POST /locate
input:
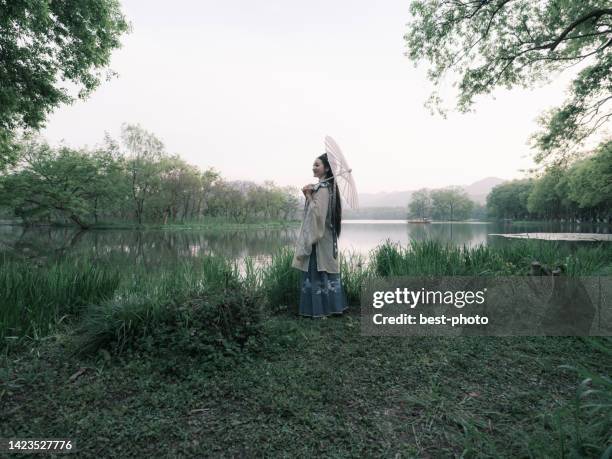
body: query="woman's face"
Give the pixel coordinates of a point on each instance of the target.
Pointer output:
(318, 169)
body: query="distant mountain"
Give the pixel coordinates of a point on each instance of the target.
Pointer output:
(477, 191)
(385, 199)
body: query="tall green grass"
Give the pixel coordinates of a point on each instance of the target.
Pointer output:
(353, 272)
(280, 283)
(117, 308)
(431, 257)
(34, 299)
(587, 420)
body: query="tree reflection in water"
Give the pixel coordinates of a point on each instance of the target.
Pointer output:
(162, 249)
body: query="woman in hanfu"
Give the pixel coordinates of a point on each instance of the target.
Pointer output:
(316, 251)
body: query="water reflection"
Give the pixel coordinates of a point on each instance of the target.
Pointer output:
(148, 248)
(363, 236)
(155, 248)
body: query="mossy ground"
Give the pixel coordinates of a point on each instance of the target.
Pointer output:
(312, 387)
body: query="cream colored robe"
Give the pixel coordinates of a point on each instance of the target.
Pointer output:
(316, 229)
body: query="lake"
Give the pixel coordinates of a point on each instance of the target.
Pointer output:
(156, 248)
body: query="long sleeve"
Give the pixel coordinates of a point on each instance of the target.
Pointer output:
(313, 226)
(318, 207)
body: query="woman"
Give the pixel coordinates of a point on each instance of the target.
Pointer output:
(316, 252)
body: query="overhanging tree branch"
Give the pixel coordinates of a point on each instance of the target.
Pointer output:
(593, 14)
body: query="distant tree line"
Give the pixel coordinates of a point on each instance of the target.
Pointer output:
(581, 191)
(132, 181)
(450, 204)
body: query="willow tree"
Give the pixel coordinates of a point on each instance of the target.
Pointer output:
(485, 44)
(51, 182)
(45, 47)
(420, 203)
(451, 203)
(145, 153)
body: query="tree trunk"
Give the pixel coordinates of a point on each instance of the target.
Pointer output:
(75, 218)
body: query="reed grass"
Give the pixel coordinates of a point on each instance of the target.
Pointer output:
(431, 257)
(116, 304)
(34, 299)
(280, 283)
(590, 411)
(354, 270)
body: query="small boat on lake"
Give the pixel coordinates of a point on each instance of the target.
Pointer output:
(424, 220)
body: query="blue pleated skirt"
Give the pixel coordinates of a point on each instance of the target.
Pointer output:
(321, 292)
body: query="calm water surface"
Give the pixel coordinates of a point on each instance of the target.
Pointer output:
(162, 248)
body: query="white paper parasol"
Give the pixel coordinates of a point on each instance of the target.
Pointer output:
(342, 173)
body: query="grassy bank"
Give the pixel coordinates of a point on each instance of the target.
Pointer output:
(36, 299)
(207, 361)
(209, 223)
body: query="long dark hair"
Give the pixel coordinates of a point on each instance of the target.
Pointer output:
(337, 210)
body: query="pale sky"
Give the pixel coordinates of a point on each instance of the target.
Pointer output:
(252, 88)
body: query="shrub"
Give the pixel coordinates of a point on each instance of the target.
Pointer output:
(201, 308)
